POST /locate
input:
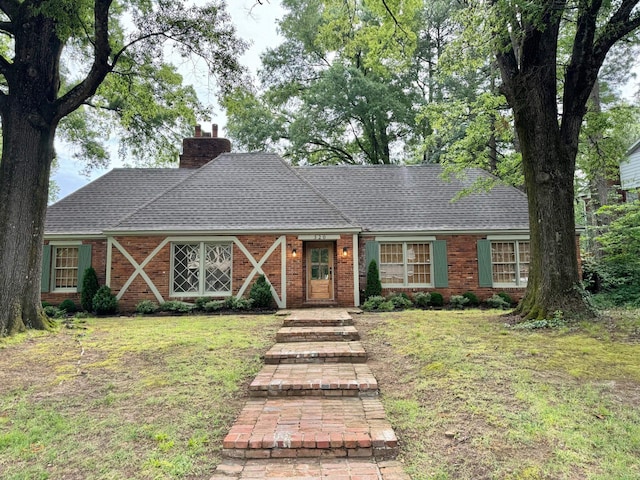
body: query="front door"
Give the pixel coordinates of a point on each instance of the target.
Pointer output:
(320, 271)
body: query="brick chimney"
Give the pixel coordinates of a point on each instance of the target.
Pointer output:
(202, 148)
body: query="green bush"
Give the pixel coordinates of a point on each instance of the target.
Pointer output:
(234, 303)
(176, 306)
(90, 287)
(201, 302)
(51, 311)
(147, 306)
(372, 303)
(261, 293)
(474, 301)
(214, 305)
(458, 302)
(422, 299)
(45, 304)
(374, 286)
(437, 300)
(506, 297)
(68, 306)
(497, 301)
(104, 302)
(387, 306)
(400, 300)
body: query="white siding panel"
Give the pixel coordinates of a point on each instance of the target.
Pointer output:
(630, 171)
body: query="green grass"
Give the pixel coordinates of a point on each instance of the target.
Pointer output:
(471, 398)
(126, 397)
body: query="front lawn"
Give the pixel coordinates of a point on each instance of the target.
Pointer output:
(143, 398)
(472, 399)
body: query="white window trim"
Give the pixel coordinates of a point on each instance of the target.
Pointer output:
(516, 240)
(406, 283)
(55, 244)
(200, 292)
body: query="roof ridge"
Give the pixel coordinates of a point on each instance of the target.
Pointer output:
(317, 192)
(146, 204)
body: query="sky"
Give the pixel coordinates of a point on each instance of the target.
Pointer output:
(255, 23)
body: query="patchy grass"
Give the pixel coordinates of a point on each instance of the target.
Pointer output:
(144, 398)
(473, 399)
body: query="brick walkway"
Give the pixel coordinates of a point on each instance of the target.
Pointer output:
(314, 411)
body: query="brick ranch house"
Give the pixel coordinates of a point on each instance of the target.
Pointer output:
(210, 227)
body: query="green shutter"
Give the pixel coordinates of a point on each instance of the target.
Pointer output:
(84, 262)
(440, 265)
(485, 274)
(46, 268)
(371, 252)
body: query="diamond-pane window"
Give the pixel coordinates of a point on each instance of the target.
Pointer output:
(405, 264)
(201, 268)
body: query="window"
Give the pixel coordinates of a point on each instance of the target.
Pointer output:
(510, 263)
(65, 269)
(201, 268)
(405, 264)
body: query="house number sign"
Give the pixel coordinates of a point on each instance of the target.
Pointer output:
(318, 236)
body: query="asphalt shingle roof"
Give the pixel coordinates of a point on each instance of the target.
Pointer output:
(261, 192)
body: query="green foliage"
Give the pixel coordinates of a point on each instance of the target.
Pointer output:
(260, 293)
(387, 306)
(54, 312)
(147, 306)
(458, 302)
(104, 302)
(473, 299)
(506, 297)
(497, 301)
(214, 305)
(437, 300)
(372, 303)
(422, 299)
(400, 300)
(201, 302)
(374, 286)
(235, 303)
(68, 306)
(556, 322)
(90, 287)
(176, 306)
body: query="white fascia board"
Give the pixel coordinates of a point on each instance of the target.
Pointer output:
(434, 233)
(407, 238)
(72, 236)
(165, 233)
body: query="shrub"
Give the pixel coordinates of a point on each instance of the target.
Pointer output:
(147, 306)
(506, 297)
(473, 299)
(104, 302)
(234, 303)
(45, 304)
(214, 305)
(496, 301)
(372, 303)
(422, 299)
(458, 301)
(51, 311)
(81, 315)
(387, 306)
(176, 306)
(437, 300)
(400, 300)
(261, 293)
(68, 306)
(89, 289)
(374, 287)
(201, 302)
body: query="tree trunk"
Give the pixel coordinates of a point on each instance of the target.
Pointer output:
(24, 187)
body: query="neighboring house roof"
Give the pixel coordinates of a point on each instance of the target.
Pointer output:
(394, 198)
(239, 192)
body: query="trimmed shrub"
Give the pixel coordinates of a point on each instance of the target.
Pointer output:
(374, 286)
(422, 299)
(214, 305)
(387, 306)
(437, 300)
(458, 301)
(147, 306)
(473, 299)
(506, 297)
(261, 293)
(234, 303)
(51, 311)
(45, 304)
(68, 306)
(400, 300)
(176, 306)
(372, 303)
(90, 287)
(201, 302)
(104, 302)
(496, 301)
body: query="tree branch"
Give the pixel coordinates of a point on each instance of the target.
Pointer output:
(9, 7)
(99, 70)
(5, 65)
(7, 27)
(619, 25)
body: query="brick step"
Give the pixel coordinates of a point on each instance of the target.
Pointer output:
(317, 334)
(320, 379)
(311, 427)
(310, 468)
(318, 318)
(316, 352)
